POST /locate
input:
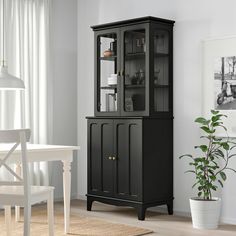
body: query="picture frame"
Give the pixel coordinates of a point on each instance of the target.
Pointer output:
(216, 51)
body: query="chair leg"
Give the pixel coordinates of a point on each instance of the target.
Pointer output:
(8, 219)
(17, 213)
(27, 219)
(50, 214)
(18, 171)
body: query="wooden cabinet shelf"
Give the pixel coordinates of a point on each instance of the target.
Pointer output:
(135, 55)
(111, 58)
(142, 54)
(134, 86)
(140, 86)
(109, 87)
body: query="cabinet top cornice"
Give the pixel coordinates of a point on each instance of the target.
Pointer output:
(146, 19)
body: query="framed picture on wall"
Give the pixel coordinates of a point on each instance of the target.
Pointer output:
(219, 79)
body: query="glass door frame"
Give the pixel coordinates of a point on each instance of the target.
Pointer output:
(169, 29)
(124, 29)
(97, 70)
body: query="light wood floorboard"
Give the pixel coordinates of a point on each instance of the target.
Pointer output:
(161, 224)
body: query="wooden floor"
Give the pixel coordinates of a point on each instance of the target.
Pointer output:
(161, 224)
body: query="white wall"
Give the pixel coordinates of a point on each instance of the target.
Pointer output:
(87, 16)
(195, 20)
(64, 72)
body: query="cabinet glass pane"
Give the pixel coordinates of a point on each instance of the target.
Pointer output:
(134, 70)
(161, 71)
(161, 41)
(107, 56)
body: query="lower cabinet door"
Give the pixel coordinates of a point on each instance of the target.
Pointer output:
(100, 163)
(128, 164)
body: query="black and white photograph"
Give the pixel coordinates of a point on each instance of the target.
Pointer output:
(225, 83)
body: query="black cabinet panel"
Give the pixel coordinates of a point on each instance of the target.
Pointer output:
(158, 161)
(135, 155)
(107, 150)
(115, 158)
(100, 149)
(95, 157)
(128, 149)
(122, 164)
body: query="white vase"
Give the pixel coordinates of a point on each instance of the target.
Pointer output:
(205, 213)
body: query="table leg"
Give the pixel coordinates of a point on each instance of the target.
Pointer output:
(8, 219)
(17, 208)
(67, 190)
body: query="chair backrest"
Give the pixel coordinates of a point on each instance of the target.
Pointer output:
(16, 137)
(13, 136)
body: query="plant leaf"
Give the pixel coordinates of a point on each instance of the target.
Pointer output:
(218, 152)
(221, 183)
(203, 148)
(213, 178)
(189, 171)
(223, 127)
(186, 155)
(223, 175)
(214, 187)
(206, 129)
(195, 184)
(214, 112)
(201, 120)
(232, 147)
(225, 145)
(215, 118)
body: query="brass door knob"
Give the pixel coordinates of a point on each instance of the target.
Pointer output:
(113, 158)
(110, 158)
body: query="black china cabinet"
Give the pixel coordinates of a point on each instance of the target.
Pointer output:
(130, 138)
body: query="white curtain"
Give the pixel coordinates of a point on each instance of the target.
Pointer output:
(28, 57)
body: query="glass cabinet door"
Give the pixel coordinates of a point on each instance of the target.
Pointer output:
(134, 69)
(161, 70)
(107, 78)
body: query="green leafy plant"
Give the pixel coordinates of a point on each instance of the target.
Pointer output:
(211, 165)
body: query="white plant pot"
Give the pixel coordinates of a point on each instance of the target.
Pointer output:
(205, 214)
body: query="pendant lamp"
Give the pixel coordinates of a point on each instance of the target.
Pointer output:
(7, 81)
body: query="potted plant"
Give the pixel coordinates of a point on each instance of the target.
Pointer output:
(209, 168)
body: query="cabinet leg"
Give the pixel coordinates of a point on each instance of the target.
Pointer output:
(89, 204)
(170, 207)
(141, 212)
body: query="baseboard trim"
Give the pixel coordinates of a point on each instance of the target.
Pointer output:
(163, 209)
(60, 199)
(226, 220)
(223, 220)
(81, 197)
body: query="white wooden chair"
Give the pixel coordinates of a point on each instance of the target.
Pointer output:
(20, 192)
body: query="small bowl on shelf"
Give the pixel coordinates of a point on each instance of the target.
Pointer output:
(108, 53)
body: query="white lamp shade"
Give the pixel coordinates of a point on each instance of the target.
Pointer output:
(10, 82)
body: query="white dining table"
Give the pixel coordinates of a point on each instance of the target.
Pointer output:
(39, 153)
